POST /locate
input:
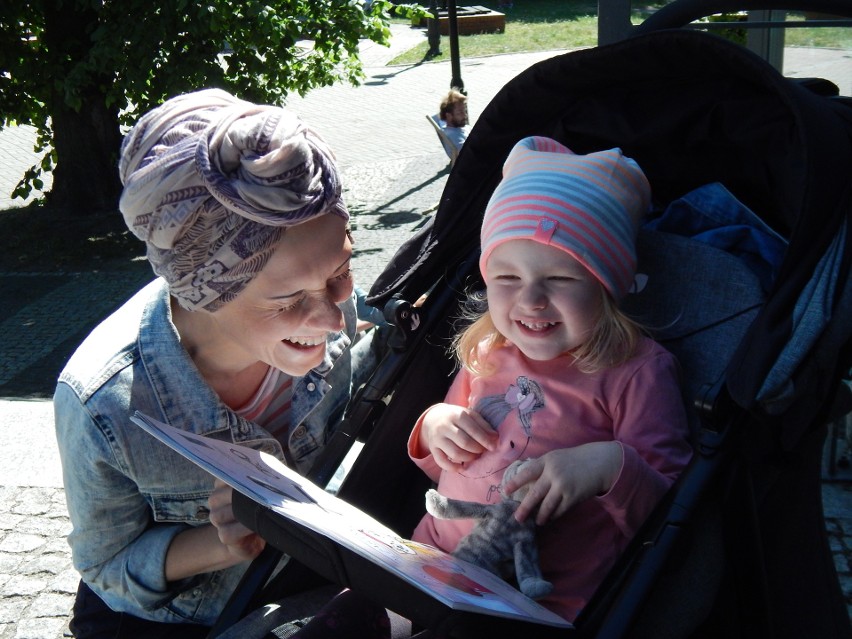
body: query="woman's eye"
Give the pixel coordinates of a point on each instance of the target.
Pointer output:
(347, 274)
(291, 305)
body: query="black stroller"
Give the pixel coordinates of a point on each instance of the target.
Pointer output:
(738, 548)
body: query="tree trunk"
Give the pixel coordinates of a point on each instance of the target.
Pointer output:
(87, 143)
(86, 140)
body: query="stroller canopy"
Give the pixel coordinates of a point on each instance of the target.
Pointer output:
(692, 109)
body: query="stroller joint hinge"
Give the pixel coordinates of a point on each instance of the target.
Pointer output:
(406, 320)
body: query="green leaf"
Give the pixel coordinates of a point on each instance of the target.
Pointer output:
(110, 61)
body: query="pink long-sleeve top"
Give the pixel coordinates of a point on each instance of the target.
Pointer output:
(537, 407)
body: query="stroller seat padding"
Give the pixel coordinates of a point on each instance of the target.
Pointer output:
(697, 301)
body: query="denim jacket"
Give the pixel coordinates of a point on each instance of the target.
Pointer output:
(129, 495)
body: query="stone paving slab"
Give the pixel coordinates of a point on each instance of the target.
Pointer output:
(37, 581)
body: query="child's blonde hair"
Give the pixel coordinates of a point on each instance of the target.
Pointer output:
(613, 341)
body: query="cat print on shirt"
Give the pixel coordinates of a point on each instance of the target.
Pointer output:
(510, 414)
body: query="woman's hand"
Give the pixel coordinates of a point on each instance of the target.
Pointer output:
(222, 544)
(455, 435)
(562, 478)
(243, 544)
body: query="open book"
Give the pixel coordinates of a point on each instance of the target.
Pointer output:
(457, 584)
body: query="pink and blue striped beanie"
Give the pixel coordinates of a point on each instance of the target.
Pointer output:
(588, 205)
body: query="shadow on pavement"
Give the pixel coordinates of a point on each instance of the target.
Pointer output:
(46, 317)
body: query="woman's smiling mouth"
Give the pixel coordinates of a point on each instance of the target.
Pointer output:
(305, 342)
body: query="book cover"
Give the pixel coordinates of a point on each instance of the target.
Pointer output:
(263, 478)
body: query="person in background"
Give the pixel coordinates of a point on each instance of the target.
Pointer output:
(453, 118)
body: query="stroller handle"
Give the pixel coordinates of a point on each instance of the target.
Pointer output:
(682, 12)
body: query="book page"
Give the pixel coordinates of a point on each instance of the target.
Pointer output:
(266, 480)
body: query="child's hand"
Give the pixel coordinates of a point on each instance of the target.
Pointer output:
(562, 478)
(455, 435)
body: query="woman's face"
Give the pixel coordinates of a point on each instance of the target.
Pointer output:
(285, 314)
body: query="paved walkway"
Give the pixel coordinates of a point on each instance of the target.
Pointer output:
(394, 170)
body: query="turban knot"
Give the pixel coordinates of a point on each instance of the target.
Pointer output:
(210, 184)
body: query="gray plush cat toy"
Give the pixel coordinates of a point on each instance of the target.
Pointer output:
(498, 542)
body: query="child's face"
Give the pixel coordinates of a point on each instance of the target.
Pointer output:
(540, 298)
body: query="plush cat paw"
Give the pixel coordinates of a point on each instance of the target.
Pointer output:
(436, 504)
(535, 588)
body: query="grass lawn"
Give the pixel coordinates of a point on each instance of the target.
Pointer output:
(826, 37)
(547, 25)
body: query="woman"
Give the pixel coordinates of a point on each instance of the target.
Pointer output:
(244, 337)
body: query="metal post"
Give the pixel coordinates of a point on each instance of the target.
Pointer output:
(456, 82)
(613, 21)
(433, 30)
(768, 43)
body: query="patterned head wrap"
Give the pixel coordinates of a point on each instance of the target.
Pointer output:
(589, 206)
(210, 184)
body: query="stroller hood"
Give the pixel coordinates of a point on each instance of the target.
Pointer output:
(692, 109)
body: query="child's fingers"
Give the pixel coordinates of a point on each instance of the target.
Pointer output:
(552, 506)
(480, 435)
(527, 506)
(456, 452)
(530, 472)
(446, 462)
(545, 500)
(532, 500)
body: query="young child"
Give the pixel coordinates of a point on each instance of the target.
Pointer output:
(554, 371)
